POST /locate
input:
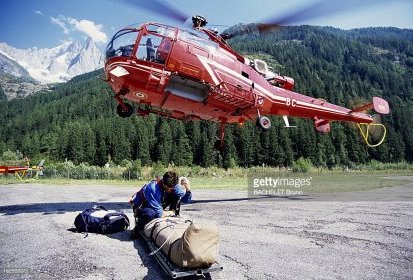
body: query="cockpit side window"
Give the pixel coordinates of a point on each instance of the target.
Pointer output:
(197, 40)
(154, 48)
(156, 44)
(164, 31)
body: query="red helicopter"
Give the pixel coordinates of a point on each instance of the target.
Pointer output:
(195, 74)
(24, 172)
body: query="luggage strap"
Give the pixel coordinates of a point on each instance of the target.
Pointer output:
(166, 240)
(94, 207)
(170, 224)
(170, 248)
(86, 233)
(153, 229)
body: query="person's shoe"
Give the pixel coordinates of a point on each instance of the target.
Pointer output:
(134, 234)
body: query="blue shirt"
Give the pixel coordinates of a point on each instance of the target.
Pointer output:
(152, 193)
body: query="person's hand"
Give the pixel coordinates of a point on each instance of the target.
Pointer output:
(185, 183)
(168, 213)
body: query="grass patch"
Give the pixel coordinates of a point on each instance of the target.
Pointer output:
(319, 183)
(326, 182)
(352, 182)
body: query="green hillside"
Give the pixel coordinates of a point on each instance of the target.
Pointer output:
(77, 120)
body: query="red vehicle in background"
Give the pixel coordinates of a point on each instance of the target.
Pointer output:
(24, 172)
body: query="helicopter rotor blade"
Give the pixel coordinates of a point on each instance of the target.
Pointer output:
(319, 9)
(161, 8)
(315, 10)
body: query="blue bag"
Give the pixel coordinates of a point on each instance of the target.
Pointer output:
(99, 220)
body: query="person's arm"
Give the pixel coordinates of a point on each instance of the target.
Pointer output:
(185, 193)
(154, 198)
(138, 198)
(187, 198)
(179, 191)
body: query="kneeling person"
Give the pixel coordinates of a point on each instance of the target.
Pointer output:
(148, 204)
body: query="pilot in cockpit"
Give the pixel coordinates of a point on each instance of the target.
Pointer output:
(150, 50)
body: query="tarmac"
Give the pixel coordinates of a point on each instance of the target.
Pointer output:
(280, 238)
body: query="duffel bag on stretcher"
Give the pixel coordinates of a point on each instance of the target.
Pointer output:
(187, 244)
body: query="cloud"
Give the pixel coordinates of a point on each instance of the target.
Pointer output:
(61, 22)
(85, 26)
(91, 29)
(38, 13)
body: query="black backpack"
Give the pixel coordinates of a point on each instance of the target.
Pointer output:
(99, 220)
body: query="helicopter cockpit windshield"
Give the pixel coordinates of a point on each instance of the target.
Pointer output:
(122, 43)
(155, 43)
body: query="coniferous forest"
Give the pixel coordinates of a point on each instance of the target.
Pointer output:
(77, 120)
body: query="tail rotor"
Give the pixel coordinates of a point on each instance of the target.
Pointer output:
(373, 133)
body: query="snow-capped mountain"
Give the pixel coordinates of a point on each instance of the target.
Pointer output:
(9, 66)
(57, 64)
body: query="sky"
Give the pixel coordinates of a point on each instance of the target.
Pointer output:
(48, 23)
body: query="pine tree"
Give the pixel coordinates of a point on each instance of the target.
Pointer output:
(286, 147)
(143, 148)
(165, 143)
(120, 145)
(181, 151)
(89, 143)
(245, 143)
(230, 158)
(75, 149)
(207, 151)
(193, 131)
(339, 140)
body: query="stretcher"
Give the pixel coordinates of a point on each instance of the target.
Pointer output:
(172, 270)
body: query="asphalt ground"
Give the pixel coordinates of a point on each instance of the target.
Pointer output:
(282, 238)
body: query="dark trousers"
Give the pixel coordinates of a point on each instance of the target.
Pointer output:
(143, 216)
(172, 201)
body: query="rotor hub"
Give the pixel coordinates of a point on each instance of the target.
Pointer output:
(199, 21)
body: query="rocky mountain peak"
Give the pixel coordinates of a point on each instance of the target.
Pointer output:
(51, 65)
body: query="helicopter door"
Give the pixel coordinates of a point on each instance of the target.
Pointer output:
(163, 50)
